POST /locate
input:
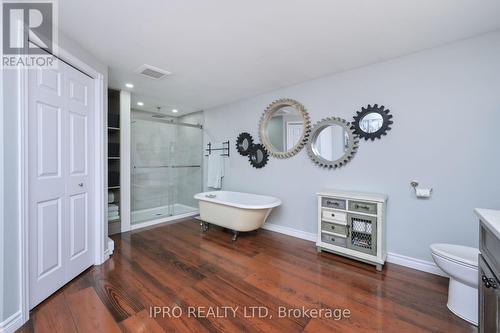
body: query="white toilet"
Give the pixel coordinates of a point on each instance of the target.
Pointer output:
(460, 263)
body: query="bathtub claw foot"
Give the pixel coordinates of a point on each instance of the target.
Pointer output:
(235, 235)
(204, 226)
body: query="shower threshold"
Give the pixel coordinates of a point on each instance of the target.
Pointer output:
(151, 216)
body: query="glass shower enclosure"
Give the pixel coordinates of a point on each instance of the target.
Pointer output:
(166, 170)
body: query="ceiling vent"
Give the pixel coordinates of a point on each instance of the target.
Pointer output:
(152, 72)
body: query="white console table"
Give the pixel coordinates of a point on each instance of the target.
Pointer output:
(352, 224)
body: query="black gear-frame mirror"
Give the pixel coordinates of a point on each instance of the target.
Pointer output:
(372, 122)
(258, 156)
(244, 143)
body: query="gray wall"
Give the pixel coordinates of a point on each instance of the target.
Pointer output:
(446, 107)
(11, 232)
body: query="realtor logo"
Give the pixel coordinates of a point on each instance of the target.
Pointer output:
(29, 33)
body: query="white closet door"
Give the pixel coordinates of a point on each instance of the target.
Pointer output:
(47, 198)
(79, 185)
(60, 178)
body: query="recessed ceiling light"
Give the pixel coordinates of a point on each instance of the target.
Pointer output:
(129, 85)
(140, 103)
(175, 111)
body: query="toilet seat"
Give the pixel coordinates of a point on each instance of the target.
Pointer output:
(462, 255)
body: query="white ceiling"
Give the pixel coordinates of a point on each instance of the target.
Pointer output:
(221, 51)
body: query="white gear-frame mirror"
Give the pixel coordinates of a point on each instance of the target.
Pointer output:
(284, 128)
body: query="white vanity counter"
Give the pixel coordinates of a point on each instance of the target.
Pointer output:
(491, 219)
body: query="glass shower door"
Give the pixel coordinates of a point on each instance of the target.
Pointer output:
(186, 170)
(166, 169)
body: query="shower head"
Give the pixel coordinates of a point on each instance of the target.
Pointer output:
(159, 114)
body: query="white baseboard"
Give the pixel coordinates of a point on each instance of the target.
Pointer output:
(418, 264)
(12, 323)
(290, 231)
(111, 247)
(394, 258)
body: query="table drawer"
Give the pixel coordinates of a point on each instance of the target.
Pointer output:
(334, 215)
(335, 228)
(334, 240)
(363, 207)
(333, 203)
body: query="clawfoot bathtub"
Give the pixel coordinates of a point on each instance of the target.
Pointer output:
(235, 210)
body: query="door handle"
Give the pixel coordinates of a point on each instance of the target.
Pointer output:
(80, 184)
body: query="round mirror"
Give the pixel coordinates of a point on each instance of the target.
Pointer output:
(333, 143)
(372, 122)
(243, 143)
(284, 128)
(258, 156)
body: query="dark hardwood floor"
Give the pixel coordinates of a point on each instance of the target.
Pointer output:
(179, 267)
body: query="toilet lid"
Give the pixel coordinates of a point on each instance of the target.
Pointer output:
(463, 254)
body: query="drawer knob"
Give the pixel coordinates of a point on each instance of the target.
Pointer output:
(333, 227)
(333, 215)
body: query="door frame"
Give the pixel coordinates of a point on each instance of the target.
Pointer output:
(101, 253)
(287, 123)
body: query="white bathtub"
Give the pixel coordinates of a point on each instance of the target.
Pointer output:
(235, 210)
